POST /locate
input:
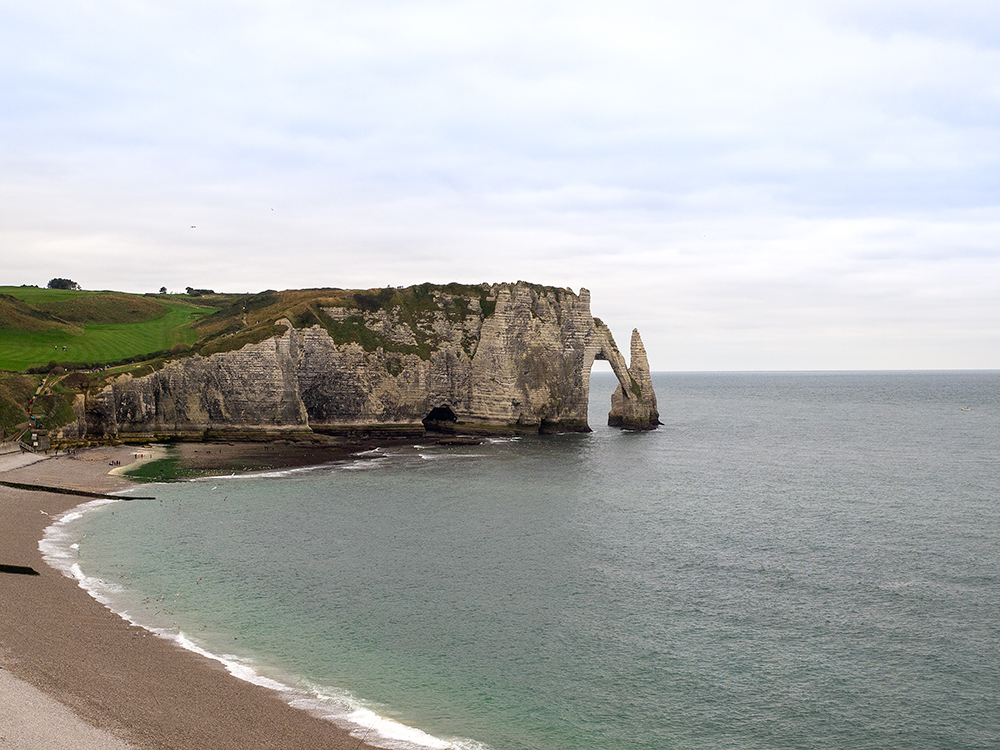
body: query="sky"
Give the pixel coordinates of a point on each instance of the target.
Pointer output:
(766, 185)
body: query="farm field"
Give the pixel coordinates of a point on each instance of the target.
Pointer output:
(90, 342)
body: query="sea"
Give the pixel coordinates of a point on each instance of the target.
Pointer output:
(792, 560)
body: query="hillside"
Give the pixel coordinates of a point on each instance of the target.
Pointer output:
(40, 326)
(42, 329)
(18, 315)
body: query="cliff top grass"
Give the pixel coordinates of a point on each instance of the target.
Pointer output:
(39, 326)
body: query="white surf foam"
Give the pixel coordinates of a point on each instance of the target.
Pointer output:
(357, 467)
(266, 474)
(57, 544)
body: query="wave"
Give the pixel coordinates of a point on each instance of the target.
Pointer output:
(59, 549)
(365, 459)
(267, 474)
(58, 545)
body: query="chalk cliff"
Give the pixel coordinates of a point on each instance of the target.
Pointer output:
(507, 357)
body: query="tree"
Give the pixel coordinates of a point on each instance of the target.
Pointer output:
(63, 284)
(163, 290)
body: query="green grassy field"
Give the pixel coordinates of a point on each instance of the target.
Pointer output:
(37, 295)
(94, 343)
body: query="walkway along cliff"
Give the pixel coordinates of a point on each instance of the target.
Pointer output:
(477, 359)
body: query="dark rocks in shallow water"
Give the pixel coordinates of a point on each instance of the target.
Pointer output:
(461, 440)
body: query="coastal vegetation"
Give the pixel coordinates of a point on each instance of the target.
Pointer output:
(79, 329)
(254, 318)
(166, 469)
(15, 392)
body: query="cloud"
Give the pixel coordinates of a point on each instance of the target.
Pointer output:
(778, 173)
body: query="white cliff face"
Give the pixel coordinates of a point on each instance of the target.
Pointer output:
(523, 363)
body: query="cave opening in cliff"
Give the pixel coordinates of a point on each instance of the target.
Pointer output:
(440, 419)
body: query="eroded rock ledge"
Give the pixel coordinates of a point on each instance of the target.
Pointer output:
(510, 358)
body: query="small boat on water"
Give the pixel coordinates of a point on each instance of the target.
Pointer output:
(966, 408)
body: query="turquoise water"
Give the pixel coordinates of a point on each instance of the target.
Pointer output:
(799, 560)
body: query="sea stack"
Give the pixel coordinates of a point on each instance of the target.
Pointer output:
(634, 408)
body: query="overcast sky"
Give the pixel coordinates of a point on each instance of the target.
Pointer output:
(753, 184)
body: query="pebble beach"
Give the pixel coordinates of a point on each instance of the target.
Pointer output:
(75, 675)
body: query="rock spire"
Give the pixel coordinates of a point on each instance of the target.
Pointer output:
(634, 407)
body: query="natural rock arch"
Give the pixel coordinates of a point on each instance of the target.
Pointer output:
(633, 404)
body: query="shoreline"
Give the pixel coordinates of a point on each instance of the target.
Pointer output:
(65, 655)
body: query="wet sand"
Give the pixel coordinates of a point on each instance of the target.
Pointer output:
(65, 658)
